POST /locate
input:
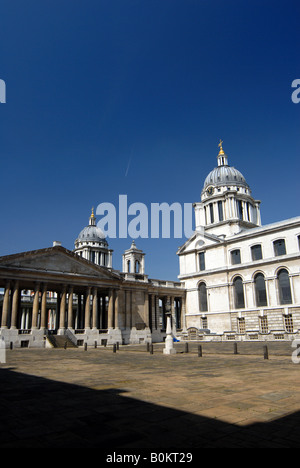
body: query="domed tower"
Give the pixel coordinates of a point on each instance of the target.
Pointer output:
(226, 206)
(92, 245)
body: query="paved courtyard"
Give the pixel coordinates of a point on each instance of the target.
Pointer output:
(132, 399)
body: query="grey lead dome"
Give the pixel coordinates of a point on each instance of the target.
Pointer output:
(225, 175)
(92, 233)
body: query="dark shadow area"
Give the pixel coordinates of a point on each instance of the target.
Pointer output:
(41, 413)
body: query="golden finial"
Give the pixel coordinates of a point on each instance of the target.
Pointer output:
(220, 146)
(92, 215)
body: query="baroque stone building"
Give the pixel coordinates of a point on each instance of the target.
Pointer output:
(54, 294)
(242, 279)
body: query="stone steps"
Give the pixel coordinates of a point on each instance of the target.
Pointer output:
(61, 341)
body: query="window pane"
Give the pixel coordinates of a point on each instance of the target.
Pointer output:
(241, 325)
(260, 290)
(235, 257)
(203, 297)
(240, 209)
(285, 295)
(239, 293)
(202, 261)
(220, 210)
(264, 324)
(288, 323)
(256, 252)
(279, 247)
(211, 208)
(204, 322)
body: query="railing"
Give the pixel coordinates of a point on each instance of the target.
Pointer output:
(24, 331)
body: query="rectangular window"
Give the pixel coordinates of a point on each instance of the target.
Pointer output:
(211, 208)
(220, 210)
(204, 322)
(279, 247)
(264, 324)
(288, 323)
(256, 252)
(240, 209)
(201, 261)
(235, 257)
(241, 325)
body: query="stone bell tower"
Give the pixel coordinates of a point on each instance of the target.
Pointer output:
(134, 261)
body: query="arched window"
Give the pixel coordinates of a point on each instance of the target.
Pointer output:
(260, 290)
(202, 297)
(285, 295)
(239, 300)
(128, 266)
(137, 266)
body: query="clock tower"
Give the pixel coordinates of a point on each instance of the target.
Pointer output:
(227, 206)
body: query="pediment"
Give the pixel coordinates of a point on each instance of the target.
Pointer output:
(55, 260)
(198, 240)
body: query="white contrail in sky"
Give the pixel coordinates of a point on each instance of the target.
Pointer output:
(126, 172)
(128, 167)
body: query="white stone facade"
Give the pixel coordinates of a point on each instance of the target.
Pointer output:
(242, 279)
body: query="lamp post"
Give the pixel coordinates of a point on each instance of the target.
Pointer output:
(169, 346)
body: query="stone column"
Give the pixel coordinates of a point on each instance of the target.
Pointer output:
(44, 308)
(15, 302)
(95, 308)
(87, 312)
(6, 304)
(110, 308)
(153, 311)
(70, 307)
(157, 314)
(183, 309)
(62, 315)
(117, 301)
(146, 309)
(35, 307)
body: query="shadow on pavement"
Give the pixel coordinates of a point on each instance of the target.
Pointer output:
(37, 412)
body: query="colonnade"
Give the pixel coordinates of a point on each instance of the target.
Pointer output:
(82, 308)
(99, 308)
(232, 208)
(157, 304)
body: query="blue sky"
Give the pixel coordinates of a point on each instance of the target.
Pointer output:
(131, 97)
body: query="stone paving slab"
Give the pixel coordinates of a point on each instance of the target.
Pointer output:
(133, 400)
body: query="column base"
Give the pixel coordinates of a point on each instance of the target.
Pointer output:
(169, 351)
(115, 336)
